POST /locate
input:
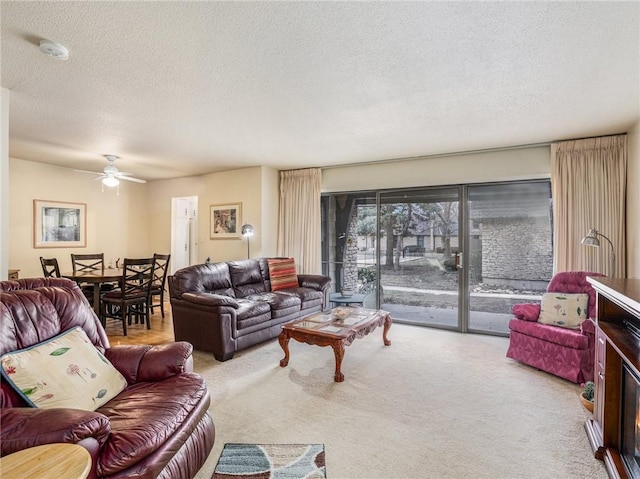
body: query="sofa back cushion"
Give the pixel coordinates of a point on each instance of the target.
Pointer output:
(202, 278)
(34, 310)
(246, 277)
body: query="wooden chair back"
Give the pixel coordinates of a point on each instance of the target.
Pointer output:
(50, 267)
(137, 278)
(87, 263)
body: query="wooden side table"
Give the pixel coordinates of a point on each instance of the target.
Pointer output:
(13, 274)
(49, 461)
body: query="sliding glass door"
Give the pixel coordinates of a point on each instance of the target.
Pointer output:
(510, 253)
(419, 255)
(454, 257)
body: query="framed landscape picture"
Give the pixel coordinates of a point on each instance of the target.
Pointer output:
(57, 224)
(226, 221)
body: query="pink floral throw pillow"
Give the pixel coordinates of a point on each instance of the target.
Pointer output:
(564, 310)
(66, 371)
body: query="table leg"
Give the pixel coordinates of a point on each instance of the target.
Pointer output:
(387, 325)
(283, 339)
(338, 351)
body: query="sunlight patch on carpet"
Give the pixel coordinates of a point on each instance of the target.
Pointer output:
(271, 461)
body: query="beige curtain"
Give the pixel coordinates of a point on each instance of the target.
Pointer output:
(299, 221)
(588, 183)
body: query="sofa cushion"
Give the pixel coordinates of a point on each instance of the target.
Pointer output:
(564, 310)
(252, 312)
(145, 416)
(552, 334)
(246, 277)
(66, 371)
(308, 297)
(280, 304)
(282, 272)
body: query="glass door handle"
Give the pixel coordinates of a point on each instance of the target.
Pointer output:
(458, 260)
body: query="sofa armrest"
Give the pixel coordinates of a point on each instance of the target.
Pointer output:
(526, 311)
(314, 281)
(144, 363)
(210, 299)
(28, 427)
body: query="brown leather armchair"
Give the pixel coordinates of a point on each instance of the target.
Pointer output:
(157, 427)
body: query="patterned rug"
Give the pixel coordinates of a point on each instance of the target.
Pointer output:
(271, 461)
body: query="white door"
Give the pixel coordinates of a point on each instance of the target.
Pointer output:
(183, 232)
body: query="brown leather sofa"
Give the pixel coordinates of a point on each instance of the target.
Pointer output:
(157, 427)
(226, 307)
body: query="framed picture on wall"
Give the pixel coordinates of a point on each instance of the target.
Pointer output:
(225, 221)
(58, 224)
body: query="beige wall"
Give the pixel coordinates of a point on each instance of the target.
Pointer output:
(255, 188)
(270, 210)
(633, 202)
(116, 224)
(504, 165)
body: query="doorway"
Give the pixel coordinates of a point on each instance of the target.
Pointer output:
(184, 232)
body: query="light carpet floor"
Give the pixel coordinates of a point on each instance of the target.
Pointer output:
(435, 404)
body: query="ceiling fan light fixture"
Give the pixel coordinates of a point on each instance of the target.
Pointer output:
(110, 181)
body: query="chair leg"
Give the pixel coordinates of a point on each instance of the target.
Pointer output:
(124, 312)
(162, 304)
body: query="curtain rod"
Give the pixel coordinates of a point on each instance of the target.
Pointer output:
(466, 152)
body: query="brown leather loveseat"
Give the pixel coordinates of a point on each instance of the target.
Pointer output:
(226, 307)
(156, 427)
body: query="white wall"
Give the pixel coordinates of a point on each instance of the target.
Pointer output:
(633, 202)
(503, 165)
(116, 224)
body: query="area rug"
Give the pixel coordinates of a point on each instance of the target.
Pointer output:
(271, 461)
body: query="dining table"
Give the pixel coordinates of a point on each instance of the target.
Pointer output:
(95, 278)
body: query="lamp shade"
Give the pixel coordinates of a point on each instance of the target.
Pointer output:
(591, 239)
(247, 230)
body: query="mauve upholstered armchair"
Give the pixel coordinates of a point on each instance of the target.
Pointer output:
(563, 352)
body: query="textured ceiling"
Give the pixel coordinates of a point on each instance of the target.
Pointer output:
(184, 88)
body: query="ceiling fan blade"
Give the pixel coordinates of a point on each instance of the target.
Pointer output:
(92, 172)
(129, 178)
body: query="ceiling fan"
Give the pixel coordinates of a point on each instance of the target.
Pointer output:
(110, 175)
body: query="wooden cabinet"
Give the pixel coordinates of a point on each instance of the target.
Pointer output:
(618, 301)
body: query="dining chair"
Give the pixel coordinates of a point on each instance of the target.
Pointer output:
(86, 263)
(160, 268)
(133, 298)
(50, 267)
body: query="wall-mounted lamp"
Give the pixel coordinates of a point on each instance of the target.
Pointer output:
(592, 240)
(247, 232)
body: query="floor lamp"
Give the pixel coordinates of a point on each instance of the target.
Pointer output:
(592, 240)
(247, 232)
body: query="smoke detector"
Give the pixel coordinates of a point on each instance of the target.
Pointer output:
(54, 50)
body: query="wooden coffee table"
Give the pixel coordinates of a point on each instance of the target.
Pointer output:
(322, 329)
